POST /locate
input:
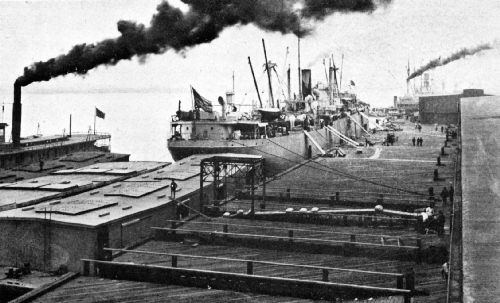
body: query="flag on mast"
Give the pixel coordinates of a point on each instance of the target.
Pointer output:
(99, 113)
(201, 102)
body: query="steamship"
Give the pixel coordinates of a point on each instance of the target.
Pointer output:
(25, 151)
(283, 135)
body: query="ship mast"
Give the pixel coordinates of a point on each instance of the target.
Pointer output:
(255, 81)
(298, 59)
(268, 75)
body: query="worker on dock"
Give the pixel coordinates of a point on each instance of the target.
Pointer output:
(173, 188)
(451, 192)
(440, 219)
(444, 195)
(436, 175)
(41, 163)
(445, 270)
(413, 141)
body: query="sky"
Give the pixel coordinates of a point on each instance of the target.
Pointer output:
(376, 49)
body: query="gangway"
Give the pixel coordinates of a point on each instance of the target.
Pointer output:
(341, 136)
(357, 123)
(314, 142)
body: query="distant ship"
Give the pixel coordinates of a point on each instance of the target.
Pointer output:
(284, 134)
(36, 148)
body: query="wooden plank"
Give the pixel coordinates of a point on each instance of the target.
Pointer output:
(30, 296)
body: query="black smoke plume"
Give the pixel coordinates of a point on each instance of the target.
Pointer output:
(170, 28)
(464, 52)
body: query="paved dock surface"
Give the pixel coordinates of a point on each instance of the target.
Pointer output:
(481, 201)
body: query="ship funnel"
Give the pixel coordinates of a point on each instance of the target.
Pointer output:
(306, 82)
(223, 105)
(16, 115)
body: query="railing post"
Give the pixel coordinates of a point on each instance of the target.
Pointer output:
(174, 261)
(399, 282)
(249, 268)
(173, 227)
(419, 250)
(325, 275)
(86, 267)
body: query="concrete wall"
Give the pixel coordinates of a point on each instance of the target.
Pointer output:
(45, 246)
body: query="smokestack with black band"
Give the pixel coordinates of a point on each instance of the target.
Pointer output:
(306, 82)
(16, 115)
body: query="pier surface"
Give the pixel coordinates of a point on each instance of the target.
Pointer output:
(481, 190)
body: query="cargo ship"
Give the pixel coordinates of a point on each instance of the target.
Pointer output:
(284, 135)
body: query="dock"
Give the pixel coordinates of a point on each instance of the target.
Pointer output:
(328, 229)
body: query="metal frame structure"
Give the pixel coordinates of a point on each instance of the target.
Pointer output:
(221, 167)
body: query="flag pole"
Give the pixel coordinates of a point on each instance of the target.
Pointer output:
(95, 111)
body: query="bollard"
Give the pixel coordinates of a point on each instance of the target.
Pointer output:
(325, 275)
(249, 268)
(174, 261)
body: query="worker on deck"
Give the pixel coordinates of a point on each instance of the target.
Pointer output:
(41, 164)
(413, 141)
(173, 188)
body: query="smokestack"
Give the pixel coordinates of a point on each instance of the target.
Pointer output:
(306, 82)
(16, 115)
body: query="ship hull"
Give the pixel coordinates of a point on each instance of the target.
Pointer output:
(280, 152)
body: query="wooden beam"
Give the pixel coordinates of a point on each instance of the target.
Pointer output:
(314, 142)
(257, 262)
(241, 282)
(282, 238)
